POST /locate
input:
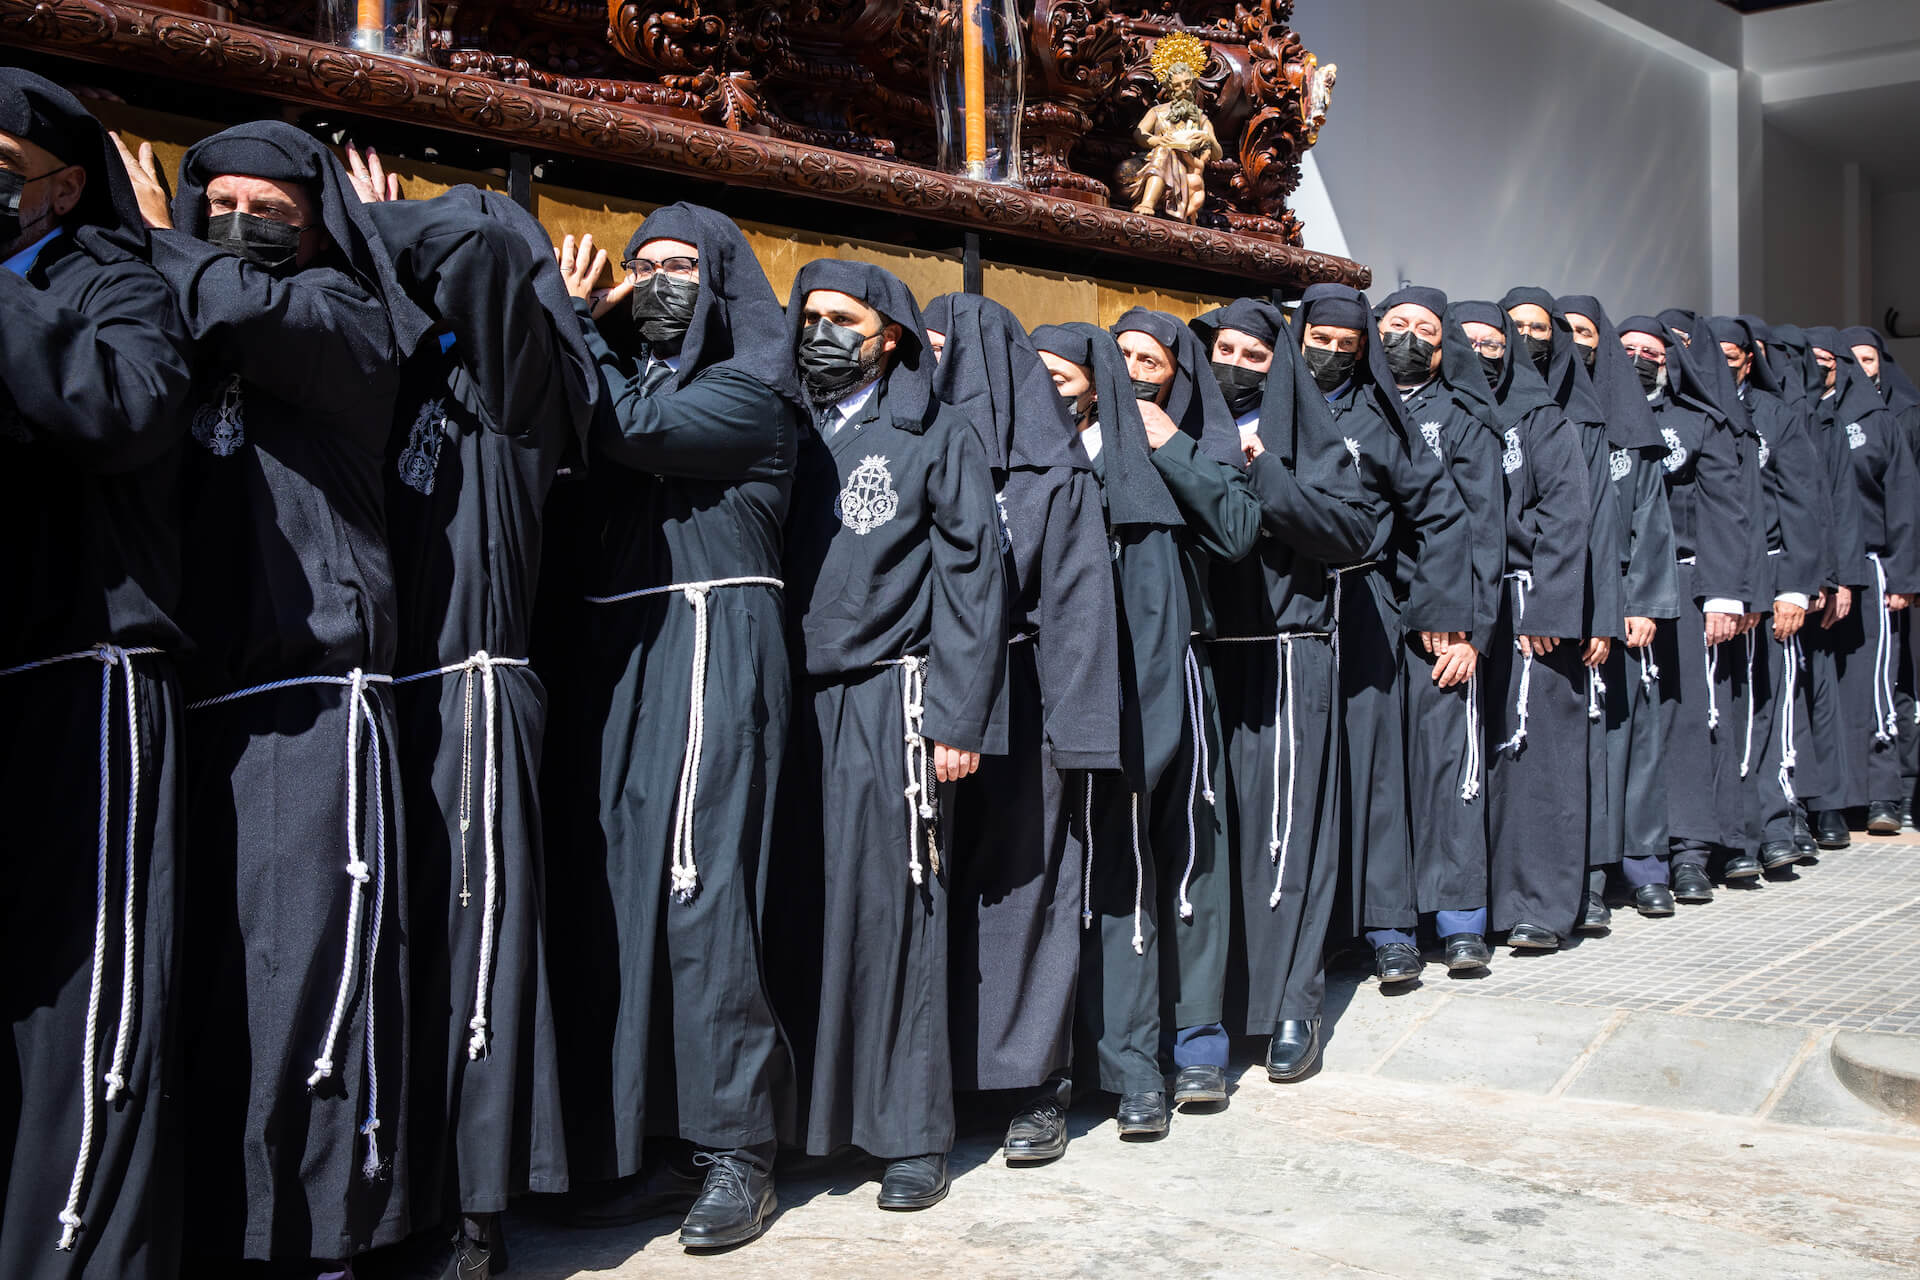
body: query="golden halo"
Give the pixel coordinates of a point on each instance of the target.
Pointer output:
(1178, 50)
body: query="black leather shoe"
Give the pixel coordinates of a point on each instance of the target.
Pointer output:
(918, 1182)
(1200, 1086)
(1690, 884)
(1466, 951)
(1830, 829)
(1778, 854)
(471, 1259)
(1531, 937)
(1143, 1115)
(1653, 900)
(1740, 866)
(1597, 915)
(1396, 962)
(1293, 1050)
(733, 1207)
(1883, 818)
(1803, 834)
(1039, 1133)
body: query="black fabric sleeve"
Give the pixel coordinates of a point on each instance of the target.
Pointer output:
(967, 670)
(1652, 582)
(1079, 655)
(1724, 517)
(724, 425)
(1221, 512)
(1561, 514)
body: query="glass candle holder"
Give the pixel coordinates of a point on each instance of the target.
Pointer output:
(978, 61)
(395, 28)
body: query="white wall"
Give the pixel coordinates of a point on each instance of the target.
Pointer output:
(1805, 232)
(1478, 144)
(1896, 269)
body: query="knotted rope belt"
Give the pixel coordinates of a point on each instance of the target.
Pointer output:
(1280, 840)
(1522, 581)
(1886, 720)
(111, 658)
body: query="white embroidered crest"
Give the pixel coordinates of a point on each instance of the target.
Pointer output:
(1855, 436)
(868, 501)
(1006, 530)
(1676, 452)
(222, 428)
(1510, 460)
(1766, 451)
(421, 458)
(1619, 463)
(1430, 432)
(1353, 449)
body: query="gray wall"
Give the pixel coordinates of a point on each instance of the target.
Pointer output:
(1478, 144)
(1804, 228)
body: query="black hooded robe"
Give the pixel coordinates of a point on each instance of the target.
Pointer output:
(482, 417)
(898, 599)
(94, 374)
(1016, 893)
(298, 1052)
(668, 1028)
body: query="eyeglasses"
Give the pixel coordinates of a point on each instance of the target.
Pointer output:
(641, 270)
(1492, 348)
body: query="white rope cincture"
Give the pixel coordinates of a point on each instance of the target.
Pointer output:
(1199, 773)
(1338, 575)
(1789, 758)
(1746, 757)
(1139, 878)
(359, 709)
(1086, 879)
(1522, 580)
(686, 868)
(481, 665)
(1470, 783)
(1649, 669)
(919, 790)
(1596, 694)
(1282, 840)
(110, 657)
(1713, 678)
(1886, 720)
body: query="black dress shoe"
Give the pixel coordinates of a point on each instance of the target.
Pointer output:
(1739, 866)
(1883, 818)
(1653, 900)
(917, 1182)
(471, 1259)
(1531, 937)
(1466, 951)
(1143, 1115)
(733, 1207)
(1597, 915)
(1294, 1048)
(1039, 1133)
(1397, 962)
(1200, 1086)
(1690, 884)
(1830, 829)
(1777, 854)
(1802, 834)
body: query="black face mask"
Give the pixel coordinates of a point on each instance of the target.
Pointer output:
(1149, 391)
(1493, 367)
(663, 310)
(1409, 356)
(262, 242)
(1540, 351)
(1075, 414)
(1243, 387)
(1331, 369)
(1589, 354)
(1649, 371)
(832, 362)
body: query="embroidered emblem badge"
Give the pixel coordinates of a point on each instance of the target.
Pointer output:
(222, 428)
(1619, 463)
(421, 458)
(1430, 432)
(1353, 449)
(1766, 450)
(1855, 436)
(1676, 452)
(1510, 460)
(1006, 530)
(868, 501)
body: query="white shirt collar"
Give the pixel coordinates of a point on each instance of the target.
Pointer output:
(848, 406)
(22, 262)
(672, 362)
(1408, 393)
(1090, 440)
(1249, 424)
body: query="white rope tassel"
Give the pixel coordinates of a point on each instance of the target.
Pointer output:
(1522, 582)
(1282, 841)
(1596, 695)
(1713, 697)
(1470, 785)
(1139, 879)
(1197, 773)
(919, 792)
(1789, 758)
(1886, 720)
(370, 1168)
(1746, 757)
(1649, 669)
(356, 870)
(1086, 881)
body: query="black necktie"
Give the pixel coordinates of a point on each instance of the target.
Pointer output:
(656, 376)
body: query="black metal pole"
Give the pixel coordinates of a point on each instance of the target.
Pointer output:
(520, 179)
(970, 263)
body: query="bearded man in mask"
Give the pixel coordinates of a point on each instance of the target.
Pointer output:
(899, 605)
(94, 371)
(691, 469)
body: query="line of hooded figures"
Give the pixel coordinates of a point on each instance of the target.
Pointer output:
(469, 735)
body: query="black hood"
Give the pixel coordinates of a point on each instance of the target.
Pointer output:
(909, 378)
(279, 152)
(1856, 395)
(1194, 401)
(107, 221)
(1566, 379)
(1516, 392)
(1630, 423)
(737, 320)
(990, 371)
(1136, 495)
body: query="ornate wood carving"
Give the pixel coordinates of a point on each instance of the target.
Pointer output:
(790, 97)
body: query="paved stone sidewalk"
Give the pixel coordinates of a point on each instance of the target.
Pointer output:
(1653, 1103)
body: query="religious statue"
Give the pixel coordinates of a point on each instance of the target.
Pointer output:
(1315, 81)
(1170, 175)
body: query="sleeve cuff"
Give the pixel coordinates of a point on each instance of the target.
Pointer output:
(1721, 604)
(1798, 599)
